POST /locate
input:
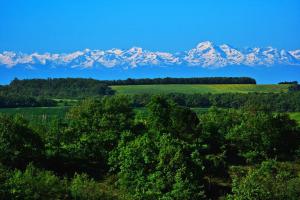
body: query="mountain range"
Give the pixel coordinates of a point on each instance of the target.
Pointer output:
(267, 65)
(205, 55)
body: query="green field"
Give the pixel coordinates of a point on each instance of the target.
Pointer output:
(38, 115)
(198, 88)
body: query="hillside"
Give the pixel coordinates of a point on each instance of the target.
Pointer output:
(198, 88)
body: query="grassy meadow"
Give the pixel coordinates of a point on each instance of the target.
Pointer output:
(37, 115)
(198, 88)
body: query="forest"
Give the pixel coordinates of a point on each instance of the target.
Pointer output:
(147, 147)
(276, 102)
(169, 80)
(56, 88)
(15, 101)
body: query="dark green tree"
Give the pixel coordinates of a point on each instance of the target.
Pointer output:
(163, 162)
(19, 145)
(94, 128)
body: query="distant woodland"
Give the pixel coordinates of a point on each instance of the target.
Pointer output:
(56, 88)
(42, 92)
(208, 80)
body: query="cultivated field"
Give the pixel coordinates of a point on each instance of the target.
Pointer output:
(198, 88)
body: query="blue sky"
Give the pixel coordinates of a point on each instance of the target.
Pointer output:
(68, 25)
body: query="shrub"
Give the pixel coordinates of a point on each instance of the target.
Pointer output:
(270, 181)
(84, 188)
(34, 183)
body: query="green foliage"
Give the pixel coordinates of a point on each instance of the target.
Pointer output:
(160, 113)
(158, 167)
(36, 184)
(14, 101)
(275, 102)
(84, 188)
(160, 164)
(169, 80)
(260, 136)
(269, 181)
(19, 145)
(295, 116)
(95, 125)
(251, 136)
(56, 88)
(5, 173)
(82, 142)
(163, 152)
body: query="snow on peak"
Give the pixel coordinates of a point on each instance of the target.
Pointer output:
(205, 45)
(295, 53)
(205, 54)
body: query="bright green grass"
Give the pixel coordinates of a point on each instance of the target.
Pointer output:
(295, 116)
(198, 88)
(37, 115)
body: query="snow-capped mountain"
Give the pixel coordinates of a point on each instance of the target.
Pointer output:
(205, 55)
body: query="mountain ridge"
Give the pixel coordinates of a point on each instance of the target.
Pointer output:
(205, 55)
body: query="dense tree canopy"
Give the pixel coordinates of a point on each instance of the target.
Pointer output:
(91, 132)
(196, 80)
(269, 181)
(163, 162)
(19, 145)
(276, 102)
(15, 101)
(56, 88)
(35, 184)
(102, 150)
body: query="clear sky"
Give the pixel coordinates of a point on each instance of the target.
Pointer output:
(168, 25)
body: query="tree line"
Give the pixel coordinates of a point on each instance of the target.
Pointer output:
(25, 101)
(103, 150)
(40, 92)
(56, 88)
(196, 80)
(294, 88)
(82, 88)
(288, 82)
(276, 102)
